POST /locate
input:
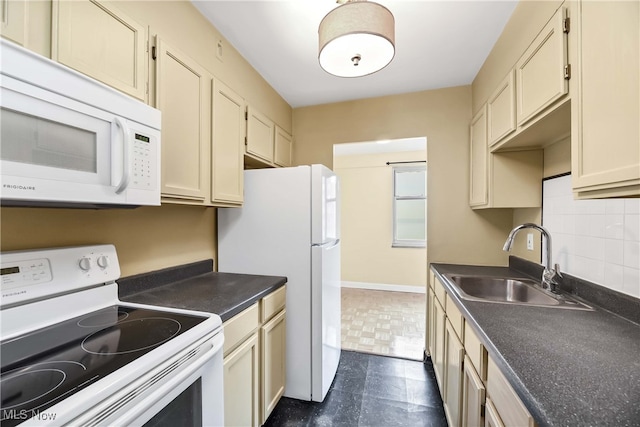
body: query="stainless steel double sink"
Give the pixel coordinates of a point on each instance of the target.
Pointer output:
(505, 290)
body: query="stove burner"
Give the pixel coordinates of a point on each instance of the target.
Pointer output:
(42, 381)
(107, 317)
(129, 340)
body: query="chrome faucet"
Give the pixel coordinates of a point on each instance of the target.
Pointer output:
(550, 274)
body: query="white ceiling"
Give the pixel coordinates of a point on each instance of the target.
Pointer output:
(438, 44)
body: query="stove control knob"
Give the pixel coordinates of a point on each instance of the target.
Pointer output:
(103, 261)
(85, 263)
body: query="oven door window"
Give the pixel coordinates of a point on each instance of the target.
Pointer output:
(184, 410)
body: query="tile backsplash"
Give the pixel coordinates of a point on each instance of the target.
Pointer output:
(596, 240)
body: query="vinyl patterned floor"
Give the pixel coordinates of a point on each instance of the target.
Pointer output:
(370, 391)
(382, 322)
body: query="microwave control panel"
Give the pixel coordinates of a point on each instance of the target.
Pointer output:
(143, 162)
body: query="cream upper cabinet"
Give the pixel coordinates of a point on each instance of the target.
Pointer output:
(260, 134)
(99, 40)
(501, 110)
(14, 20)
(183, 94)
(502, 180)
(283, 147)
(540, 72)
(478, 156)
(605, 138)
(227, 146)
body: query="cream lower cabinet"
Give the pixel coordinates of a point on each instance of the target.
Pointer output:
(473, 389)
(183, 95)
(605, 137)
(97, 39)
(273, 336)
(227, 145)
(254, 361)
(273, 343)
(242, 369)
(454, 356)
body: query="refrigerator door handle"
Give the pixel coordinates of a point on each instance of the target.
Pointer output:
(335, 243)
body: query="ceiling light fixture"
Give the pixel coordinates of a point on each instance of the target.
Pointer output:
(356, 38)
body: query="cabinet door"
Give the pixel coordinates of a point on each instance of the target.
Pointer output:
(273, 363)
(478, 155)
(438, 355)
(183, 96)
(227, 165)
(283, 146)
(14, 20)
(507, 403)
(259, 135)
(454, 354)
(605, 136)
(491, 417)
(241, 391)
(431, 322)
(97, 39)
(473, 395)
(501, 110)
(540, 77)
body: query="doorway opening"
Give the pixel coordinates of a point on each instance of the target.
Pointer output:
(383, 236)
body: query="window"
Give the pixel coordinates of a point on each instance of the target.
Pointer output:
(409, 207)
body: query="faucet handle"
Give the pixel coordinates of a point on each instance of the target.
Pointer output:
(556, 270)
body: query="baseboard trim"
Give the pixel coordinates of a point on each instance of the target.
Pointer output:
(385, 287)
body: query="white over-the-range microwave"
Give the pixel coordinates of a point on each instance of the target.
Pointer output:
(67, 140)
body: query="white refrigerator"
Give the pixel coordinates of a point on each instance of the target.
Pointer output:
(289, 225)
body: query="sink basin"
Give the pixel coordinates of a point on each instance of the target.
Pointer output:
(509, 291)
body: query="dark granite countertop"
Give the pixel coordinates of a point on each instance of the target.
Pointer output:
(569, 367)
(225, 294)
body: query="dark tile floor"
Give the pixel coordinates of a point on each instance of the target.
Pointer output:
(370, 391)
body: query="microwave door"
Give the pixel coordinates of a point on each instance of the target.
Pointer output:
(59, 149)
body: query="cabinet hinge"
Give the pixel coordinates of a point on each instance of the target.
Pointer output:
(153, 53)
(567, 72)
(245, 141)
(246, 115)
(566, 25)
(482, 410)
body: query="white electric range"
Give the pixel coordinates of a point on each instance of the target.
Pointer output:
(73, 354)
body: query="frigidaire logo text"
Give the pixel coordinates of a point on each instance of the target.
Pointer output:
(19, 187)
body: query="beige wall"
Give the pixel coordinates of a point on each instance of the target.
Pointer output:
(146, 238)
(455, 233)
(366, 184)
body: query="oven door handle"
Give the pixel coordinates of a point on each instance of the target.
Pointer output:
(151, 404)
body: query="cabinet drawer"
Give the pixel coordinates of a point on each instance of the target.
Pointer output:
(272, 303)
(475, 351)
(455, 317)
(440, 292)
(239, 327)
(512, 411)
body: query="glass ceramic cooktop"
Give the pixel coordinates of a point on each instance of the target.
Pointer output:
(45, 366)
